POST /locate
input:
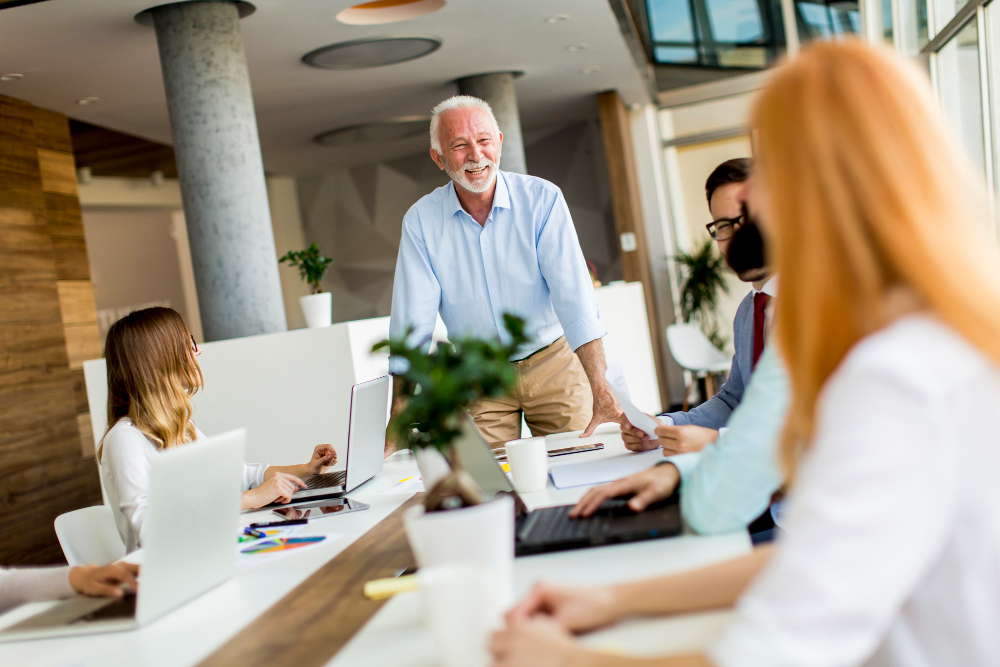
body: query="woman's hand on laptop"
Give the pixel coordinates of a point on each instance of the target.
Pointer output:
(107, 581)
(646, 487)
(323, 457)
(278, 487)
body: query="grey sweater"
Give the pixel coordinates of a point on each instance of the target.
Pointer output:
(18, 586)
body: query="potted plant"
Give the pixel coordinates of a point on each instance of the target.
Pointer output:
(703, 279)
(318, 306)
(454, 523)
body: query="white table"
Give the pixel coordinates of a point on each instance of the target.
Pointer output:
(192, 632)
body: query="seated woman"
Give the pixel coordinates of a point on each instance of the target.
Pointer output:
(152, 373)
(35, 584)
(889, 324)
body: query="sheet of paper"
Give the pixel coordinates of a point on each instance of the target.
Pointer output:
(406, 485)
(638, 418)
(601, 471)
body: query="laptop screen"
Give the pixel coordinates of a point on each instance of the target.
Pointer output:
(366, 433)
(478, 459)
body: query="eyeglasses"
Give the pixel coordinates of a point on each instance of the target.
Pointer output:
(195, 344)
(723, 228)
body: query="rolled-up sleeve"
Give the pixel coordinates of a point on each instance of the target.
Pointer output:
(416, 292)
(561, 263)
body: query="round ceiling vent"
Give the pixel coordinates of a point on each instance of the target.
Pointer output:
(372, 52)
(388, 11)
(380, 131)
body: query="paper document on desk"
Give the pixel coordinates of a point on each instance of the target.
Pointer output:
(616, 378)
(600, 471)
(407, 485)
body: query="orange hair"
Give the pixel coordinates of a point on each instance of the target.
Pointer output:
(867, 192)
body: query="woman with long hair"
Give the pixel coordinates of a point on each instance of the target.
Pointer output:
(152, 373)
(889, 323)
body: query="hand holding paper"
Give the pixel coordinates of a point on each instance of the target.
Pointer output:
(638, 418)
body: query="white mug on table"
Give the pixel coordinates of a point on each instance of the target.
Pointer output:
(529, 463)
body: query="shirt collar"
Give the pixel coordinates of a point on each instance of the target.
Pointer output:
(501, 196)
(769, 288)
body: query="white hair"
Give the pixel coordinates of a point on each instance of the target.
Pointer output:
(458, 102)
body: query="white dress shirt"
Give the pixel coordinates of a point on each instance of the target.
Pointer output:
(892, 554)
(126, 459)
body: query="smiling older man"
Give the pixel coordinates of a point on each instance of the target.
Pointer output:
(492, 242)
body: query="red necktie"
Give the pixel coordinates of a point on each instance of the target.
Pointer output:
(759, 315)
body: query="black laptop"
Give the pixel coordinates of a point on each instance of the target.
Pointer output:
(550, 528)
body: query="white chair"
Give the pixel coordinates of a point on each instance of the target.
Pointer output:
(694, 352)
(89, 536)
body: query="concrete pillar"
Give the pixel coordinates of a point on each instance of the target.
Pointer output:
(220, 168)
(497, 89)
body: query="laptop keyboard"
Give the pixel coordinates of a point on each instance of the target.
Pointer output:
(326, 480)
(124, 607)
(554, 525)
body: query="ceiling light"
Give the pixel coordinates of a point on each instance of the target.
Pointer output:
(557, 18)
(86, 101)
(372, 52)
(388, 11)
(380, 131)
(578, 47)
(591, 70)
(11, 77)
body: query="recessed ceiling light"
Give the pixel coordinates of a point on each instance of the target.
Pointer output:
(11, 77)
(88, 101)
(388, 11)
(591, 70)
(578, 47)
(380, 131)
(557, 18)
(372, 52)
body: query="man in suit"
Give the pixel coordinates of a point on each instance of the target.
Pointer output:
(725, 191)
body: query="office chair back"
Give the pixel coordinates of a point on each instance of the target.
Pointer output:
(694, 351)
(89, 536)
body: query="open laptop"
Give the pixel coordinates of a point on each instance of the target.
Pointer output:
(550, 528)
(365, 444)
(189, 543)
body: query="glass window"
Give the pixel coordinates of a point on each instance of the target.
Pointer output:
(828, 20)
(913, 26)
(670, 20)
(945, 11)
(735, 21)
(675, 54)
(957, 65)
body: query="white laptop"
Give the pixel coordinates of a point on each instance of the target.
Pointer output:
(189, 543)
(365, 443)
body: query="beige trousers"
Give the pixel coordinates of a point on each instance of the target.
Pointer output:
(552, 391)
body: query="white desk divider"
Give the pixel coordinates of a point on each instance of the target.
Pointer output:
(292, 390)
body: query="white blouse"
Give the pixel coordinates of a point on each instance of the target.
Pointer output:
(126, 459)
(892, 551)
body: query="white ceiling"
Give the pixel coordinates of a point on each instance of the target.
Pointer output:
(70, 49)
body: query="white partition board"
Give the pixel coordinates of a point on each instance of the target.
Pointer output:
(623, 314)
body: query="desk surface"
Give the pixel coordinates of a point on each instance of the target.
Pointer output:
(193, 632)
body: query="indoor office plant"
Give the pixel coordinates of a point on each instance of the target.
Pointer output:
(454, 523)
(318, 306)
(702, 281)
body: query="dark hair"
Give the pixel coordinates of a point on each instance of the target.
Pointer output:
(730, 171)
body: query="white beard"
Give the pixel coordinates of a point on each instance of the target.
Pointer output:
(462, 179)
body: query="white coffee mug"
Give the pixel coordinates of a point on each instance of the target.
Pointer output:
(529, 464)
(461, 602)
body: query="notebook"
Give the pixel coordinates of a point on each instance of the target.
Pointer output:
(601, 471)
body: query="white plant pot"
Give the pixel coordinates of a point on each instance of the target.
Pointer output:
(433, 466)
(481, 534)
(318, 309)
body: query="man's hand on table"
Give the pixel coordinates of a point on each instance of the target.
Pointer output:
(606, 409)
(649, 486)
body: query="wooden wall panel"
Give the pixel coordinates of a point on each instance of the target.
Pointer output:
(43, 472)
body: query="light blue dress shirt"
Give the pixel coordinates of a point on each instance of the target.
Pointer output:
(729, 483)
(526, 260)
